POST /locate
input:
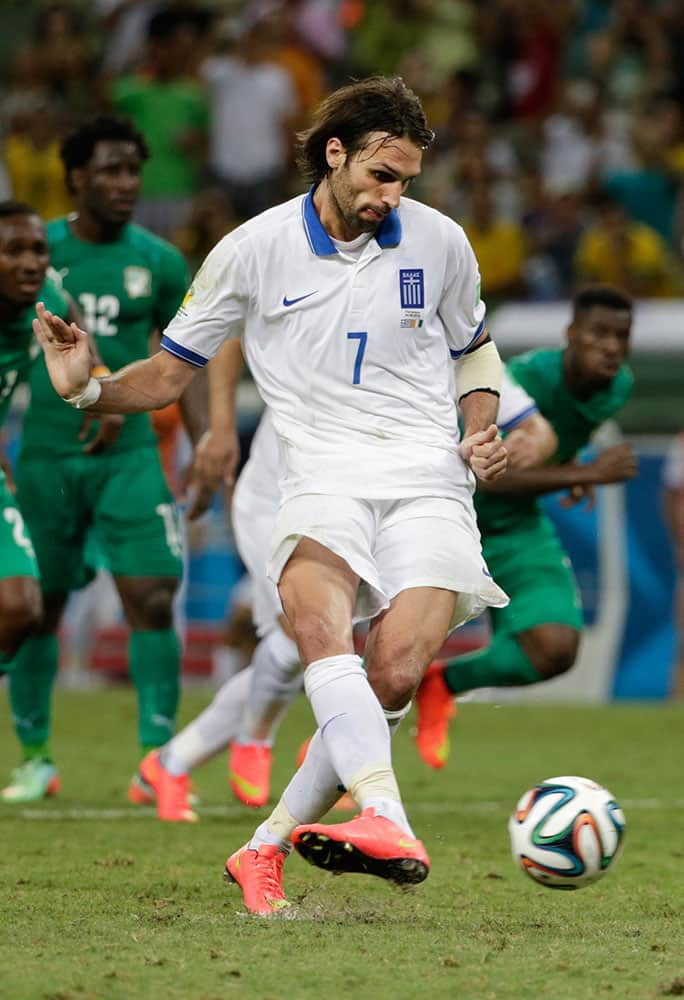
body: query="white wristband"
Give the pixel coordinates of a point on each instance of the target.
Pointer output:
(87, 397)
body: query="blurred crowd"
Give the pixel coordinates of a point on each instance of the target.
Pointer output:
(559, 126)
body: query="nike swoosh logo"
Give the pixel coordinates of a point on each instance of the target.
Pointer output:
(291, 302)
(408, 845)
(244, 785)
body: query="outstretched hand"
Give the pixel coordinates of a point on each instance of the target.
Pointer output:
(485, 453)
(66, 350)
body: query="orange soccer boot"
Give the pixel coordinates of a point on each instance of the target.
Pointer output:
(259, 873)
(249, 772)
(369, 844)
(436, 707)
(171, 791)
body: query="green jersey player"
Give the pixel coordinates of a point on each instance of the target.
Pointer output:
(23, 265)
(128, 283)
(537, 636)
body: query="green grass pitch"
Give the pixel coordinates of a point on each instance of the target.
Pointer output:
(99, 901)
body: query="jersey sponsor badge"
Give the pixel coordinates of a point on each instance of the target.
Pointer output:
(137, 282)
(412, 288)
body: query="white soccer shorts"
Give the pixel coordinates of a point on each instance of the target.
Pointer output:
(253, 517)
(393, 545)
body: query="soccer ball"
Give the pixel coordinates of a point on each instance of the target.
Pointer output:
(566, 832)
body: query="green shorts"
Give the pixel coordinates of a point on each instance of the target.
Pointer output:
(121, 498)
(537, 575)
(17, 557)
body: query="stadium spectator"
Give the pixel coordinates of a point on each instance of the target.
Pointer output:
(617, 250)
(498, 244)
(168, 105)
(31, 154)
(58, 57)
(209, 218)
(253, 104)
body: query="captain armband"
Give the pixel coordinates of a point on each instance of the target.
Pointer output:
(479, 371)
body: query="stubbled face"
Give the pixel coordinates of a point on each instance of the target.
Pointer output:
(367, 185)
(24, 259)
(598, 343)
(107, 187)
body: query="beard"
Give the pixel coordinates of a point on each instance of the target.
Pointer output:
(341, 198)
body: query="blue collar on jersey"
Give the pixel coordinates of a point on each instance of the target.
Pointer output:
(388, 233)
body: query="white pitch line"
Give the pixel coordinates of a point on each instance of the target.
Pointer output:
(240, 812)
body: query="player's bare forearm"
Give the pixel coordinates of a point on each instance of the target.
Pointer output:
(224, 372)
(478, 411)
(145, 385)
(194, 406)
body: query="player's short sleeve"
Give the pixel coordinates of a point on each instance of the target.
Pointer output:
(515, 404)
(172, 283)
(461, 307)
(213, 309)
(673, 466)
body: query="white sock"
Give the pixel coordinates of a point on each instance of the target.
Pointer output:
(316, 787)
(276, 681)
(212, 730)
(355, 733)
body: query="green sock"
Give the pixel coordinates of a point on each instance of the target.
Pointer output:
(502, 664)
(154, 666)
(33, 673)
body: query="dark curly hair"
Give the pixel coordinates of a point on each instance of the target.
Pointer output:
(78, 146)
(376, 104)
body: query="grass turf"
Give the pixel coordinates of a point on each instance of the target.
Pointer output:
(99, 900)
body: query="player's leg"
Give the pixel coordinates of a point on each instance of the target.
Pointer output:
(55, 511)
(31, 680)
(276, 677)
(536, 637)
(138, 531)
(20, 615)
(153, 654)
(401, 642)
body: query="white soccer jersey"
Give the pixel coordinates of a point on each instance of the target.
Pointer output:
(351, 355)
(259, 478)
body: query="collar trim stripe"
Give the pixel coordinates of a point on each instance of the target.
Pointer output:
(387, 235)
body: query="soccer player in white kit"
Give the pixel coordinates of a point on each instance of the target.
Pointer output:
(246, 711)
(350, 303)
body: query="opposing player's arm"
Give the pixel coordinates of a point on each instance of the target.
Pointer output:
(531, 443)
(614, 465)
(144, 385)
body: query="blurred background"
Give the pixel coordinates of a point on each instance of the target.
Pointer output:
(560, 149)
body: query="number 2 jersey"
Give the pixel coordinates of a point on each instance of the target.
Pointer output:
(125, 290)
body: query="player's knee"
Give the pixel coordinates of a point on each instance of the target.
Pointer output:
(556, 651)
(20, 615)
(156, 609)
(395, 674)
(319, 634)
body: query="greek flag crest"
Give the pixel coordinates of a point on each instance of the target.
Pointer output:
(412, 288)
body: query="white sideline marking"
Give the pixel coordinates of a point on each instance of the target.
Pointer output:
(240, 812)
